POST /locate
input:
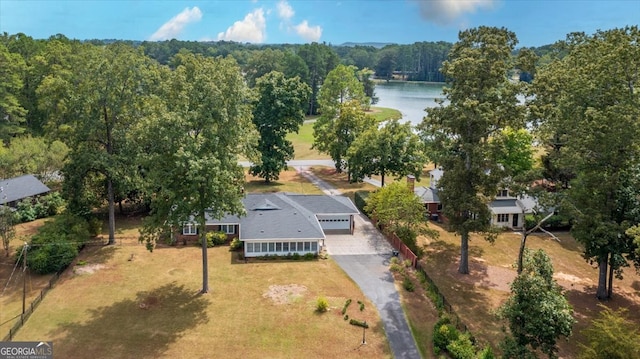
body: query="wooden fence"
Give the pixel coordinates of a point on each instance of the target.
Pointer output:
(29, 309)
(440, 301)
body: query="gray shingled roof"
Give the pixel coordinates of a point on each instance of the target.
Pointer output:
(505, 206)
(427, 194)
(17, 188)
(285, 215)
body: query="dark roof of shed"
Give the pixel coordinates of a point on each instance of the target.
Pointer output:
(14, 189)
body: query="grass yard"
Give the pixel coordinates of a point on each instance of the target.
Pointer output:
(125, 302)
(339, 181)
(11, 285)
(476, 296)
(290, 181)
(303, 140)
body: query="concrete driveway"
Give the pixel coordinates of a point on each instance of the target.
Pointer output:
(365, 257)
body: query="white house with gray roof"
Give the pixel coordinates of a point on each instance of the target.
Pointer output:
(284, 223)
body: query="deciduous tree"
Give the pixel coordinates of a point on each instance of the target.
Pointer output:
(537, 312)
(334, 136)
(7, 226)
(278, 110)
(482, 101)
(94, 105)
(320, 60)
(392, 149)
(193, 146)
(12, 114)
(611, 336)
(589, 105)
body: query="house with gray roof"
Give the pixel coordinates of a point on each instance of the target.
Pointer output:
(509, 211)
(15, 189)
(283, 223)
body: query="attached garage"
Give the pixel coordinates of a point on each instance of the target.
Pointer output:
(332, 223)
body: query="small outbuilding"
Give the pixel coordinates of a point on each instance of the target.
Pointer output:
(13, 190)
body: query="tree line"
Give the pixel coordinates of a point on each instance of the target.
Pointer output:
(169, 133)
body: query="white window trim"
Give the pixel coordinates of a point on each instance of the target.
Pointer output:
(503, 218)
(190, 229)
(228, 228)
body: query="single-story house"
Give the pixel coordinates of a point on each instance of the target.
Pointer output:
(15, 189)
(283, 223)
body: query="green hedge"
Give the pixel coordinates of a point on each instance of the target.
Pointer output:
(56, 244)
(360, 199)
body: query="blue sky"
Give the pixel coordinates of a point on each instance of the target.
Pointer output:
(399, 21)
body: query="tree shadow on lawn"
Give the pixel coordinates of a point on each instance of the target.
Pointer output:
(586, 308)
(473, 296)
(142, 327)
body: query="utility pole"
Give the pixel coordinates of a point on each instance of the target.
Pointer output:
(24, 277)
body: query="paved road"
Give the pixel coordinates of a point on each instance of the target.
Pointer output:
(365, 256)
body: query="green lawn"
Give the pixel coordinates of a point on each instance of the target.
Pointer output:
(303, 140)
(126, 302)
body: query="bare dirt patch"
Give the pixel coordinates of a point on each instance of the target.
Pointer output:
(88, 268)
(285, 294)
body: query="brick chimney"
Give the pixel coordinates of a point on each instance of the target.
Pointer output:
(411, 182)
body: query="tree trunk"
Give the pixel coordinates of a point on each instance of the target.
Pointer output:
(601, 293)
(464, 253)
(610, 285)
(112, 213)
(120, 207)
(382, 179)
(203, 241)
(523, 245)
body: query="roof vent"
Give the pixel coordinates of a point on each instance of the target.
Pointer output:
(265, 205)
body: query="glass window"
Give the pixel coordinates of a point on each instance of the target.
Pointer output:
(300, 246)
(503, 218)
(307, 246)
(264, 247)
(314, 246)
(228, 228)
(249, 247)
(272, 247)
(285, 247)
(278, 247)
(190, 229)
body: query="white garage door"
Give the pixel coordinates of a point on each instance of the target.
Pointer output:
(335, 222)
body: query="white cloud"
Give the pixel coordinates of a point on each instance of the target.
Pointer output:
(309, 33)
(172, 28)
(447, 11)
(251, 29)
(285, 11)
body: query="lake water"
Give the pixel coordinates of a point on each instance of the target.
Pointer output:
(410, 98)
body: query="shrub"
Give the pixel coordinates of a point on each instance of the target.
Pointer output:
(443, 334)
(358, 323)
(346, 317)
(360, 200)
(295, 256)
(346, 305)
(322, 305)
(235, 244)
(309, 256)
(461, 347)
(361, 306)
(216, 238)
(56, 244)
(407, 284)
(25, 210)
(486, 353)
(408, 237)
(95, 226)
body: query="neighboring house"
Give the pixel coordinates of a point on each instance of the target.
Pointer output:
(15, 189)
(508, 211)
(429, 195)
(283, 223)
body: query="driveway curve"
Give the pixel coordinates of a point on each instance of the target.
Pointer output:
(365, 256)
